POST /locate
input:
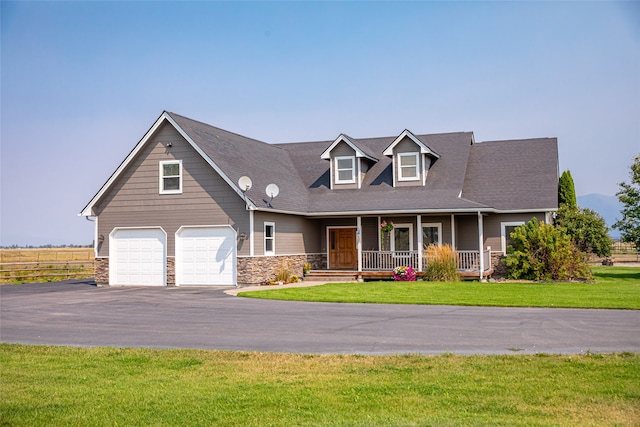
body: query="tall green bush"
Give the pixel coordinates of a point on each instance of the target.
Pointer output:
(587, 230)
(441, 264)
(540, 251)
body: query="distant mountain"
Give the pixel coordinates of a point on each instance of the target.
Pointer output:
(607, 206)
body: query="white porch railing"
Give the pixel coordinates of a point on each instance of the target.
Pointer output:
(388, 260)
(470, 260)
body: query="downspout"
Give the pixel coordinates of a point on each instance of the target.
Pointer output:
(95, 234)
(480, 244)
(379, 235)
(453, 232)
(251, 234)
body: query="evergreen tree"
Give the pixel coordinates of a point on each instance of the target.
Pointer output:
(629, 196)
(567, 191)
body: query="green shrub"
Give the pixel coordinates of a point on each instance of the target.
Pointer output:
(586, 228)
(540, 251)
(441, 264)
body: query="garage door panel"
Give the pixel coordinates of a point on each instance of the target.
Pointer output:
(205, 256)
(138, 257)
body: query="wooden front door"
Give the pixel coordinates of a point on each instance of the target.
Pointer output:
(343, 254)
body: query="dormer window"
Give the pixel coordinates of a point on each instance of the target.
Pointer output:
(408, 166)
(345, 169)
(349, 162)
(411, 160)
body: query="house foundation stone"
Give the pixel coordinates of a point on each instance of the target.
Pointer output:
(499, 265)
(101, 275)
(171, 271)
(255, 270)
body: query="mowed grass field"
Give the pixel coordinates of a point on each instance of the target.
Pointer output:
(62, 386)
(613, 288)
(45, 264)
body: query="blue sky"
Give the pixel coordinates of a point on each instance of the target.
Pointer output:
(82, 82)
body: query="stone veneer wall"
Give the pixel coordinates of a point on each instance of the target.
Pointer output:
(254, 270)
(101, 275)
(498, 264)
(171, 271)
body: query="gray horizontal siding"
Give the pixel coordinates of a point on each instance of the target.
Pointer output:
(134, 199)
(294, 235)
(493, 228)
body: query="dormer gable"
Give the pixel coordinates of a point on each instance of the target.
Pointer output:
(359, 152)
(411, 159)
(424, 148)
(349, 162)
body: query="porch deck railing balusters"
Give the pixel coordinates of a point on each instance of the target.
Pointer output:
(388, 260)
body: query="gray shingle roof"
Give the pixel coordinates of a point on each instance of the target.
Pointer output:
(505, 175)
(513, 175)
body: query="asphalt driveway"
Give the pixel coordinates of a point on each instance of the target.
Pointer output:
(78, 313)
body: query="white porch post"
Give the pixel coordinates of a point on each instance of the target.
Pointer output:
(420, 242)
(480, 244)
(359, 241)
(379, 235)
(453, 231)
(251, 234)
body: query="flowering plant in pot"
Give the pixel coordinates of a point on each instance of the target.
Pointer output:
(404, 273)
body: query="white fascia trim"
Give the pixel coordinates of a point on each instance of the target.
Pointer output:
(406, 133)
(326, 155)
(87, 211)
(525, 210)
(402, 212)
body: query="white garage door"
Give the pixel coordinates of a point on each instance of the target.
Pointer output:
(205, 256)
(137, 257)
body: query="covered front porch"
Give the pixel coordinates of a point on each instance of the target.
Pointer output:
(374, 246)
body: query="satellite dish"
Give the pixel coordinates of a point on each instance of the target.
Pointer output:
(244, 183)
(272, 190)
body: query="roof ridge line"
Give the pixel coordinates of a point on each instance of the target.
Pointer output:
(221, 129)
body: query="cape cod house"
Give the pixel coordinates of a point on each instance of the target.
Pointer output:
(189, 205)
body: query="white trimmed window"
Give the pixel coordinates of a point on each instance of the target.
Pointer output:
(505, 234)
(171, 177)
(402, 237)
(408, 166)
(345, 169)
(432, 234)
(269, 238)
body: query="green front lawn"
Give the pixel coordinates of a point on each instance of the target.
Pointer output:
(64, 386)
(614, 287)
